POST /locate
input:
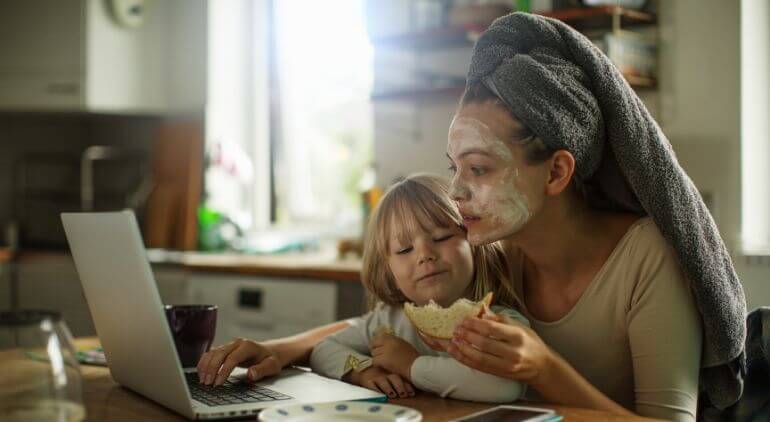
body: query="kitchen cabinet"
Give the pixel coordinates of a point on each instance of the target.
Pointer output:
(50, 281)
(261, 308)
(73, 55)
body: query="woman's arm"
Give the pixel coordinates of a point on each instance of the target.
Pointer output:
(263, 359)
(509, 349)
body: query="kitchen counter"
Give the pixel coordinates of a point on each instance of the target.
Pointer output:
(315, 265)
(308, 265)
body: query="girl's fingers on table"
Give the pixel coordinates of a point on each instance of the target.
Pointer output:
(398, 384)
(383, 383)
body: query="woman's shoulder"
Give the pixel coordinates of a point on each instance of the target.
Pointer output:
(644, 238)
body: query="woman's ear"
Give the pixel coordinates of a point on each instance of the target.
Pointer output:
(562, 167)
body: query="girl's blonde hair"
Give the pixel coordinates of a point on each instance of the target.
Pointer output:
(413, 204)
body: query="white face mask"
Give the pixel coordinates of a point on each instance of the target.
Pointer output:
(484, 184)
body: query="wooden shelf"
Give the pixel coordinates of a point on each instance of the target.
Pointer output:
(435, 38)
(441, 93)
(641, 82)
(582, 18)
(454, 92)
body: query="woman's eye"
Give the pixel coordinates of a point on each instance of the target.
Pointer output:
(404, 251)
(452, 168)
(443, 238)
(478, 171)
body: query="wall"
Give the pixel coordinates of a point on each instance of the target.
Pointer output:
(697, 105)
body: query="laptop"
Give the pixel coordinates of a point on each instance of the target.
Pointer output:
(128, 314)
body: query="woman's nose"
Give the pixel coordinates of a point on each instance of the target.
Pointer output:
(457, 190)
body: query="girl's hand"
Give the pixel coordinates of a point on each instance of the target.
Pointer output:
(500, 346)
(216, 365)
(378, 379)
(393, 354)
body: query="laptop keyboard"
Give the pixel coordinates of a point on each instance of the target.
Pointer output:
(233, 391)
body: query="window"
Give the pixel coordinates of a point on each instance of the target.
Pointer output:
(289, 124)
(755, 129)
(324, 75)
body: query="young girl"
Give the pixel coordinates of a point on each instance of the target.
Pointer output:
(416, 250)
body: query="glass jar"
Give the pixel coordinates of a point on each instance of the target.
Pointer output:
(40, 378)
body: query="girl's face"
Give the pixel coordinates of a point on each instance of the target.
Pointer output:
(435, 263)
(496, 190)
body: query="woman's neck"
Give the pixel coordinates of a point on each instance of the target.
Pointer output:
(562, 245)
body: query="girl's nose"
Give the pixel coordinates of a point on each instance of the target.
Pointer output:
(427, 254)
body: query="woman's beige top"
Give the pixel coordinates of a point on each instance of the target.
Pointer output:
(635, 333)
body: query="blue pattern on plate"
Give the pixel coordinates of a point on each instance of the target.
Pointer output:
(400, 412)
(375, 409)
(308, 408)
(283, 412)
(341, 407)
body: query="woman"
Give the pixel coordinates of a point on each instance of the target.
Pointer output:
(632, 296)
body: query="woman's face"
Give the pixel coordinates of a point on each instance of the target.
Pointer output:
(496, 190)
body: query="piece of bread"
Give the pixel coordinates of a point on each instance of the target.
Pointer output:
(439, 322)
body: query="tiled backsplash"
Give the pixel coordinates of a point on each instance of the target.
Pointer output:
(65, 135)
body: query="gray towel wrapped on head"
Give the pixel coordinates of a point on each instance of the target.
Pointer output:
(568, 92)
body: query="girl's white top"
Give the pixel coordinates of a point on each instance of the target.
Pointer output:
(432, 371)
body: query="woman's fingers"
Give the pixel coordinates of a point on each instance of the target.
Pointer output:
(476, 359)
(434, 343)
(493, 346)
(240, 354)
(267, 367)
(509, 333)
(211, 369)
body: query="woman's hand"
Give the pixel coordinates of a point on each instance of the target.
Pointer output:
(379, 379)
(393, 354)
(500, 346)
(438, 344)
(216, 365)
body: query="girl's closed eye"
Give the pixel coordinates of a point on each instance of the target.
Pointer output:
(404, 251)
(443, 238)
(452, 168)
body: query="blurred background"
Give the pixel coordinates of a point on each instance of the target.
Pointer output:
(252, 137)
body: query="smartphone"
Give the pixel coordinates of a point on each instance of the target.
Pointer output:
(509, 413)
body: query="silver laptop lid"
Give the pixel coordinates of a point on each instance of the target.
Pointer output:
(125, 305)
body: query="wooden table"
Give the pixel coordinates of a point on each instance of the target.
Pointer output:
(107, 401)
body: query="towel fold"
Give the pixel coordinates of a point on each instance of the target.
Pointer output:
(569, 93)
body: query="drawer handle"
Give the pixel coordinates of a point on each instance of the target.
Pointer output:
(250, 299)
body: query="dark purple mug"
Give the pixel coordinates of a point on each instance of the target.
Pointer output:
(193, 328)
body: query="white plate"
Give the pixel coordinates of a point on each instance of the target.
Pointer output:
(340, 411)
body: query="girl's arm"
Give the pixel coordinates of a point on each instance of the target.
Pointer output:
(337, 354)
(263, 359)
(447, 377)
